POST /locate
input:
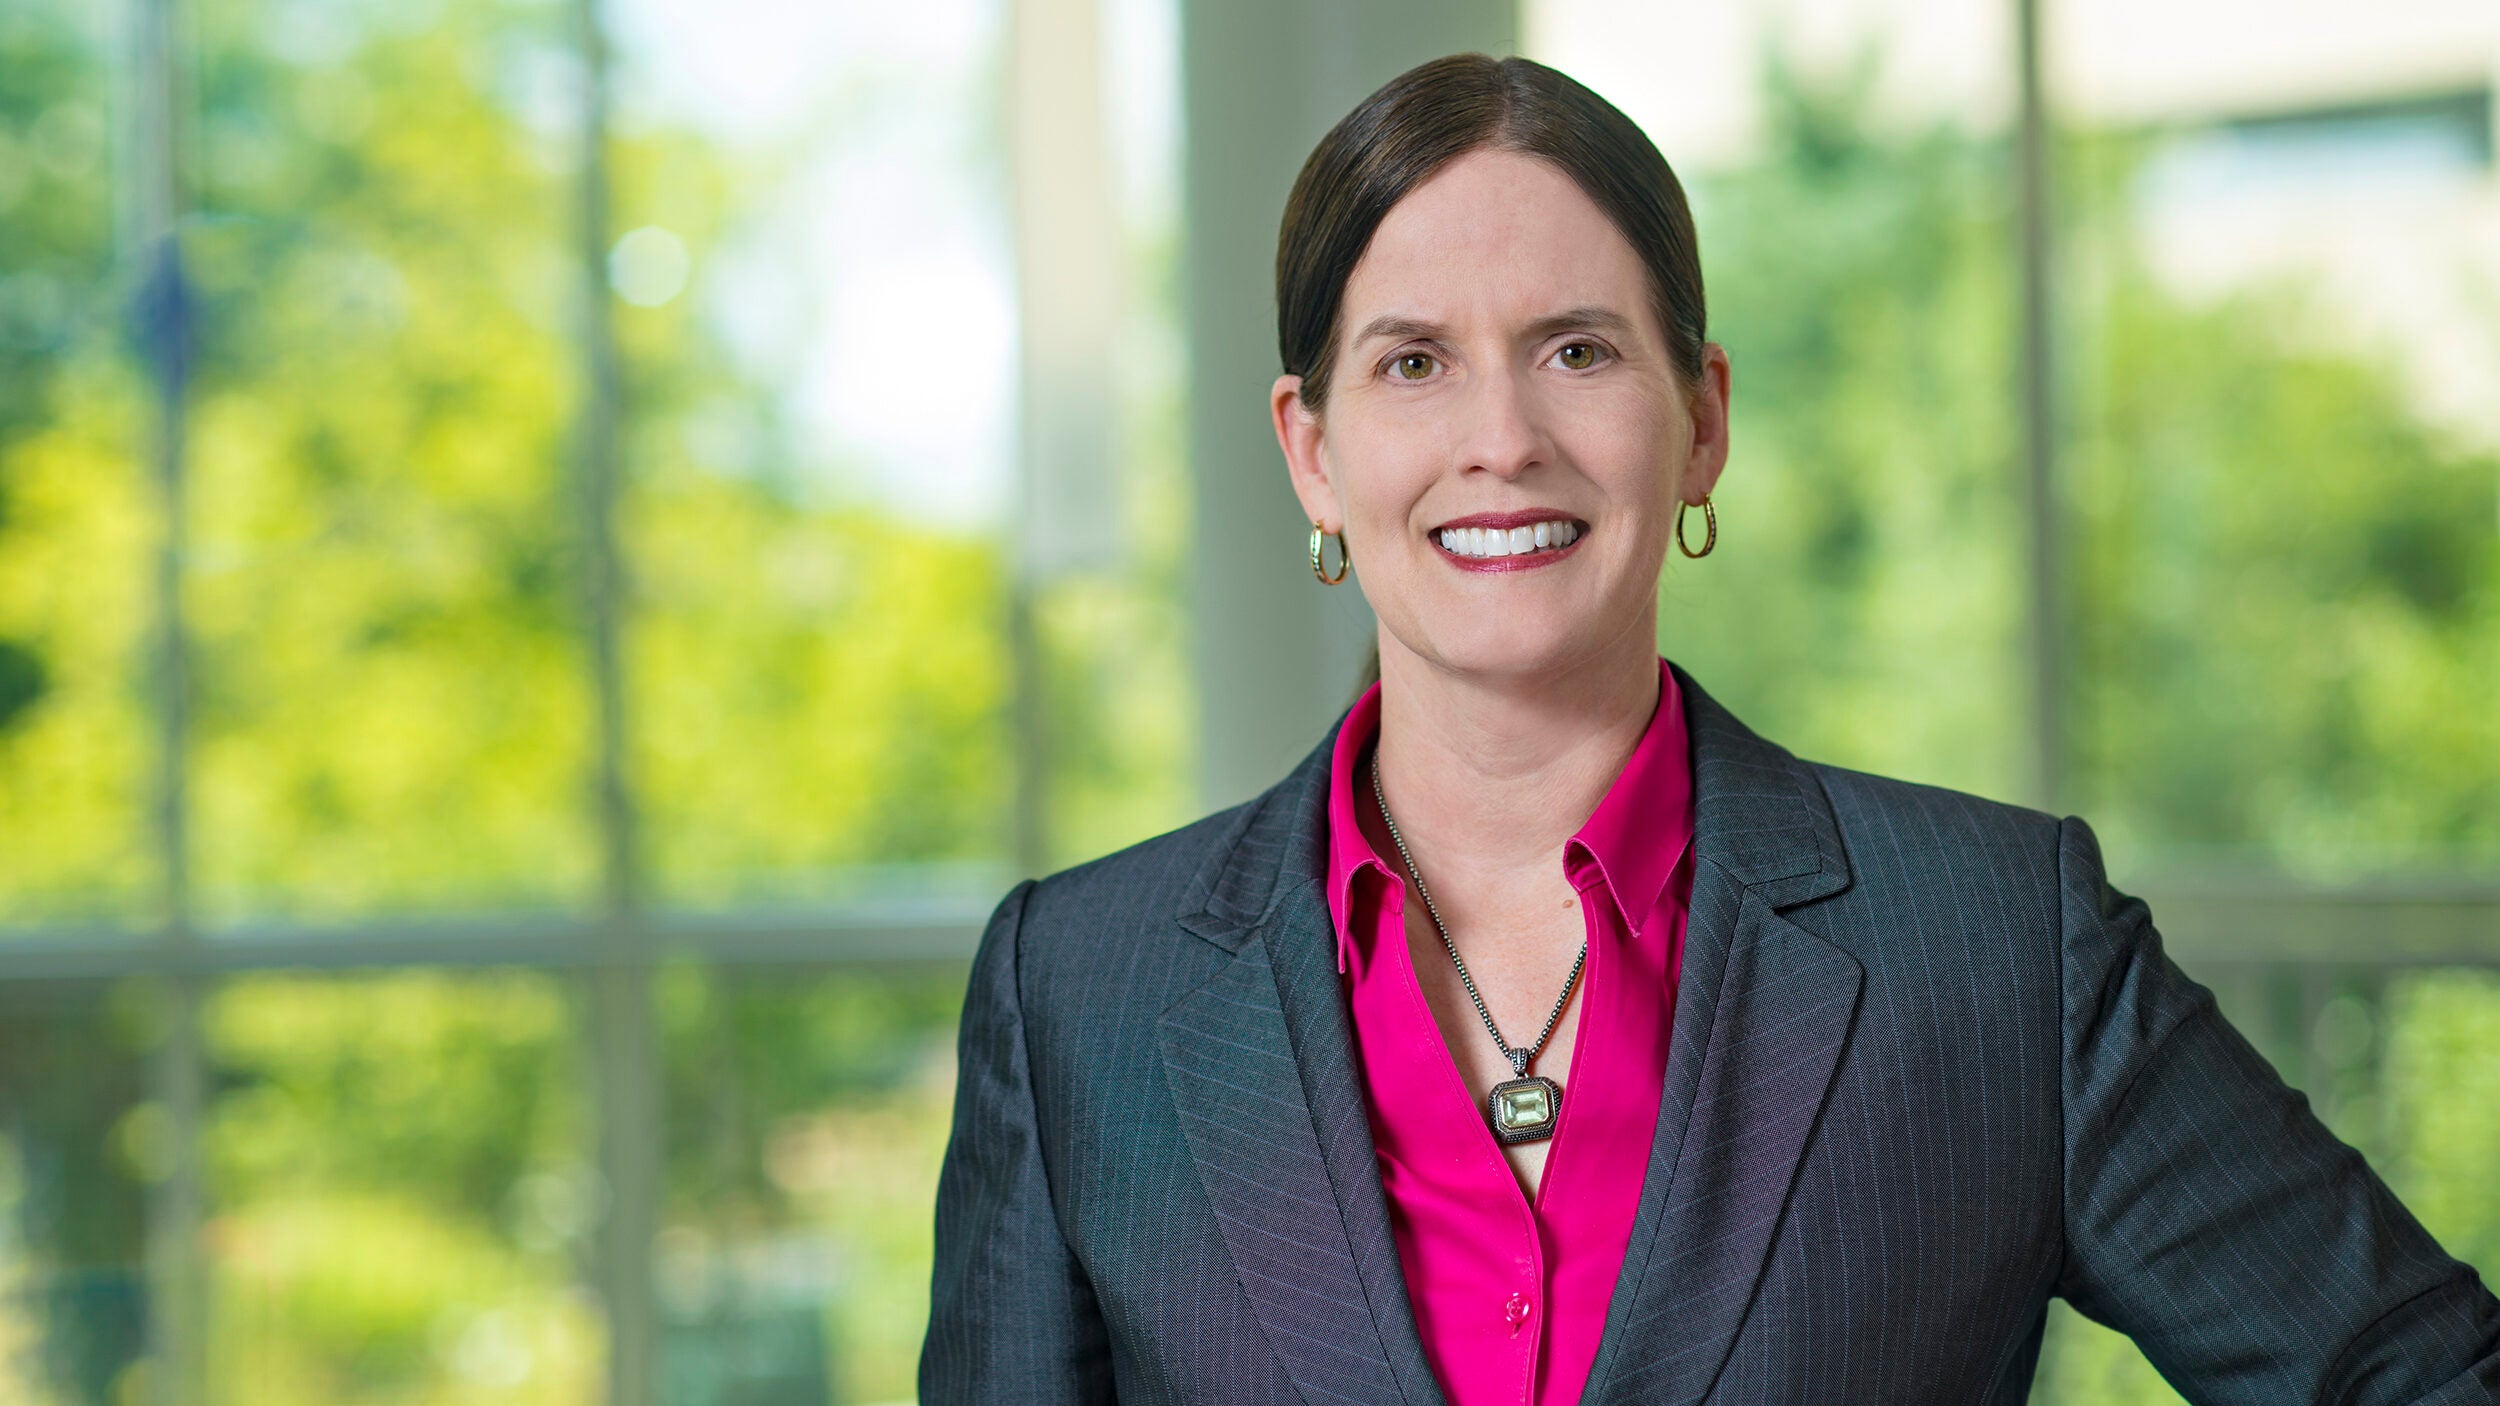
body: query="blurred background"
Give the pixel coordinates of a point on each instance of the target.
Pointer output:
(556, 556)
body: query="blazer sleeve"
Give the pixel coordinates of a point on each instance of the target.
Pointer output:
(1012, 1317)
(2212, 1218)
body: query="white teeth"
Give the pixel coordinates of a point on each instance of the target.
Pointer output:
(1501, 542)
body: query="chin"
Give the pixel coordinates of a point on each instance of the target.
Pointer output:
(1520, 647)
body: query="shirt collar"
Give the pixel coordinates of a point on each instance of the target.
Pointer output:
(1348, 850)
(1630, 844)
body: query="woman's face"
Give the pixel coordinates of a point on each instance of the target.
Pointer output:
(1505, 436)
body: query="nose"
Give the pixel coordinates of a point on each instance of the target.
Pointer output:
(1504, 434)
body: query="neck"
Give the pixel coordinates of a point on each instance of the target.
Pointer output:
(1494, 774)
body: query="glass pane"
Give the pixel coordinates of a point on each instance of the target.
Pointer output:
(2283, 351)
(77, 526)
(813, 290)
(398, 1192)
(806, 1116)
(79, 1143)
(816, 288)
(1849, 180)
(392, 709)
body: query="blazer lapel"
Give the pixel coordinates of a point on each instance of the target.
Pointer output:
(1763, 1011)
(1260, 1060)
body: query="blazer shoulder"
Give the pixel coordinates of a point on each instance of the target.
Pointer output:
(1916, 848)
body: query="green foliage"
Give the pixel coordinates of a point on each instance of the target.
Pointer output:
(436, 1085)
(809, 1112)
(390, 709)
(2287, 593)
(75, 526)
(71, 1198)
(817, 691)
(1869, 525)
(394, 1161)
(748, 1051)
(21, 681)
(351, 1296)
(2442, 1083)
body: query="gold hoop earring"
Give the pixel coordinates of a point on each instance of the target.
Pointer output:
(1345, 559)
(1710, 539)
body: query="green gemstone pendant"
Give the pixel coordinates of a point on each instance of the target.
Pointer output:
(1524, 1110)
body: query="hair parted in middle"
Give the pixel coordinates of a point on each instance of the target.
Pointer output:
(1429, 116)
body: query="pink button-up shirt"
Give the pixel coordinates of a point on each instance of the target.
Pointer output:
(1510, 1298)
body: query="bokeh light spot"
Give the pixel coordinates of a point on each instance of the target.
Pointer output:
(648, 266)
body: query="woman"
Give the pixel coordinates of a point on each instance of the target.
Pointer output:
(1692, 1071)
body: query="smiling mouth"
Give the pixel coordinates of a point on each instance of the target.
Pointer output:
(1514, 540)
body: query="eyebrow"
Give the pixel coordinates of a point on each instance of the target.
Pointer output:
(1592, 319)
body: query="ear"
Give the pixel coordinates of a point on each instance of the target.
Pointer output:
(1298, 434)
(1706, 406)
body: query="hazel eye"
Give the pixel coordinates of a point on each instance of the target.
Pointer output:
(1577, 356)
(1414, 366)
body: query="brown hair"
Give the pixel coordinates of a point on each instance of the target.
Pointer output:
(1431, 115)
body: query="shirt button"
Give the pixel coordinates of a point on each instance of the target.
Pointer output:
(1515, 1312)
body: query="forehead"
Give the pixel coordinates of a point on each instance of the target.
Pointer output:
(1495, 236)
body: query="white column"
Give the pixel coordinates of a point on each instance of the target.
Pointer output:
(1068, 245)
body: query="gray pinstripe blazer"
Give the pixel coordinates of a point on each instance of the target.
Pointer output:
(1929, 1070)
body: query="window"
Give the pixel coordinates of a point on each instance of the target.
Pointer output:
(525, 660)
